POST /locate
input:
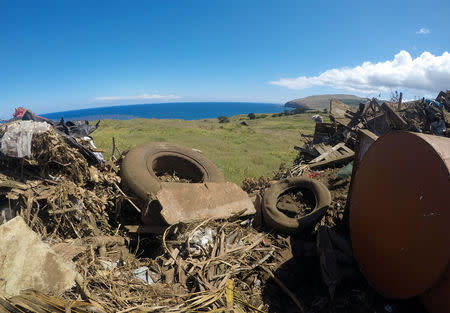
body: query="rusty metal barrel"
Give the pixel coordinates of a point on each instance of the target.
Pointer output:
(400, 217)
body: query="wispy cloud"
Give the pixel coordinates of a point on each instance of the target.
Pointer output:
(136, 98)
(423, 31)
(424, 73)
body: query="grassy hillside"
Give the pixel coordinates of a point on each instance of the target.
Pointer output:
(240, 151)
(323, 101)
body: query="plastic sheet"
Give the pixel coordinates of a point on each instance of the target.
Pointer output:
(16, 141)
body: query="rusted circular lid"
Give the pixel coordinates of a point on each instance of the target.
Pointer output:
(400, 213)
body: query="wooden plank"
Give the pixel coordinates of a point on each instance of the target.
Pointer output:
(341, 159)
(397, 120)
(325, 154)
(334, 154)
(322, 148)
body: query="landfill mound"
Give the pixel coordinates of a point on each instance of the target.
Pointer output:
(73, 204)
(56, 181)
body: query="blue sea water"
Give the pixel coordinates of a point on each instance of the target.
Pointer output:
(178, 110)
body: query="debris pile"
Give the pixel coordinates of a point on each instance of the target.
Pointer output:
(56, 190)
(333, 155)
(334, 143)
(34, 301)
(72, 202)
(63, 193)
(122, 260)
(200, 266)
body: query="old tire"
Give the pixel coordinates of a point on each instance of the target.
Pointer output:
(141, 164)
(277, 220)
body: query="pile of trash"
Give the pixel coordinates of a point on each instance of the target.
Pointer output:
(198, 267)
(334, 143)
(54, 183)
(72, 233)
(333, 155)
(47, 178)
(61, 201)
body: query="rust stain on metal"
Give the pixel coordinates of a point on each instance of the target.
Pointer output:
(400, 213)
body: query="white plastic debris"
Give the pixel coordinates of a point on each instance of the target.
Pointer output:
(16, 141)
(142, 274)
(202, 239)
(78, 206)
(109, 265)
(317, 118)
(98, 155)
(6, 212)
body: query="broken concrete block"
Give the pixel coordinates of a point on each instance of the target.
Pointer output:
(28, 263)
(185, 202)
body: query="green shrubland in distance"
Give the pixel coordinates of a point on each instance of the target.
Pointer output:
(240, 151)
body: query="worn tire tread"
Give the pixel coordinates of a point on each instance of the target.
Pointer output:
(277, 220)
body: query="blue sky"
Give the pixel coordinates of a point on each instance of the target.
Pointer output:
(61, 55)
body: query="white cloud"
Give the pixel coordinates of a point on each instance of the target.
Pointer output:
(423, 31)
(139, 97)
(424, 73)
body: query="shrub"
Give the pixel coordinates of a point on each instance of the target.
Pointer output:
(251, 116)
(223, 119)
(298, 111)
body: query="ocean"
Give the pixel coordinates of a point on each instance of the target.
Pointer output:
(178, 110)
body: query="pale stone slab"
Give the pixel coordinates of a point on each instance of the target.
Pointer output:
(185, 202)
(28, 263)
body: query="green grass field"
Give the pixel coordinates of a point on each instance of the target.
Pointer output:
(240, 151)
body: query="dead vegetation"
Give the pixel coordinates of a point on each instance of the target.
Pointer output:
(57, 192)
(73, 205)
(201, 267)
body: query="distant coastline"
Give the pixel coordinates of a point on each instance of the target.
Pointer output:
(174, 110)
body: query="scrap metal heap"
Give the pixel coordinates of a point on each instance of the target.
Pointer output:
(334, 143)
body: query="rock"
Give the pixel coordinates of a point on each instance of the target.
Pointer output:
(28, 263)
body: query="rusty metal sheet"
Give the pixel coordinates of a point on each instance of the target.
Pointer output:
(400, 213)
(187, 202)
(365, 139)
